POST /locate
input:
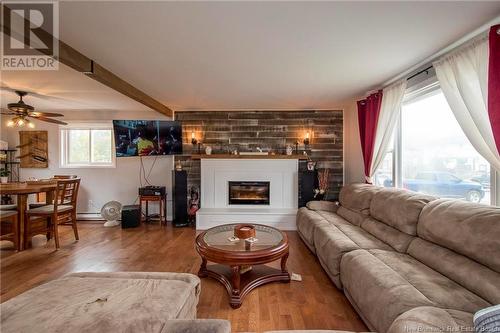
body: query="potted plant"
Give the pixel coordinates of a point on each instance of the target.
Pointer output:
(320, 192)
(4, 175)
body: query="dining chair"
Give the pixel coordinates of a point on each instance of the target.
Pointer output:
(9, 228)
(40, 197)
(61, 211)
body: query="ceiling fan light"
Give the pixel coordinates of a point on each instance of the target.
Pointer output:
(10, 123)
(21, 122)
(31, 125)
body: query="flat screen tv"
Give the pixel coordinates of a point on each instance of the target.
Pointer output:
(147, 137)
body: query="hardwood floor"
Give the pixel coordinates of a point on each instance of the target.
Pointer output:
(313, 303)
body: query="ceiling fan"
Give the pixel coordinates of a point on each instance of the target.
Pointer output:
(22, 112)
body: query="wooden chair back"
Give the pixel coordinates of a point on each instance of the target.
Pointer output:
(40, 197)
(66, 192)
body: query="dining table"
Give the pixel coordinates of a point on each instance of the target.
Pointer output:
(22, 190)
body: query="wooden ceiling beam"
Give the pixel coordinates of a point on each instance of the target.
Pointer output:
(109, 79)
(81, 63)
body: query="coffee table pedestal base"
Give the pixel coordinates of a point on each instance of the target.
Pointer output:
(239, 285)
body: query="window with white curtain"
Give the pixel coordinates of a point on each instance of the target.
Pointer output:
(431, 153)
(87, 145)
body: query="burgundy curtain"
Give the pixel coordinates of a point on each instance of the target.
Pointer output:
(368, 112)
(494, 83)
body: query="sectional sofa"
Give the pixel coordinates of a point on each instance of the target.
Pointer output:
(407, 262)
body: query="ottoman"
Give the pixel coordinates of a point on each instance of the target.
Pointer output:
(103, 302)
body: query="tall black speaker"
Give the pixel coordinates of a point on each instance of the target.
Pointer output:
(308, 181)
(179, 198)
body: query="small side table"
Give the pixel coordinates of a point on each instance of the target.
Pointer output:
(161, 199)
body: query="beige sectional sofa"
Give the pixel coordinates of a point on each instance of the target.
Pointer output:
(406, 261)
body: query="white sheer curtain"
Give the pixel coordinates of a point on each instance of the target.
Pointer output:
(463, 76)
(392, 97)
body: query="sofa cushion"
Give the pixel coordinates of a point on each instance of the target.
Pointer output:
(331, 244)
(352, 216)
(103, 302)
(385, 284)
(328, 206)
(472, 275)
(307, 222)
(398, 208)
(359, 236)
(357, 197)
(432, 319)
(396, 239)
(332, 241)
(470, 229)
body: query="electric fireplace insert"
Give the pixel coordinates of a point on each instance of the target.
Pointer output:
(248, 193)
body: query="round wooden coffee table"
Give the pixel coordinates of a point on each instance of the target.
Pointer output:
(232, 256)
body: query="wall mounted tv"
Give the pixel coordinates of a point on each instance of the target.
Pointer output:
(147, 137)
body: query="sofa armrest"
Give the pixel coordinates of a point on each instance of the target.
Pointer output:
(197, 326)
(329, 206)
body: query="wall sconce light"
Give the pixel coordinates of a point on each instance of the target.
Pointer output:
(195, 142)
(193, 139)
(306, 139)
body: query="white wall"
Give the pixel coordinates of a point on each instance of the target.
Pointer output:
(100, 185)
(353, 164)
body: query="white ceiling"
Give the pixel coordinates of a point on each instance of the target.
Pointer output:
(259, 55)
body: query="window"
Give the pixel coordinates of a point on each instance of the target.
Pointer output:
(431, 153)
(384, 174)
(87, 145)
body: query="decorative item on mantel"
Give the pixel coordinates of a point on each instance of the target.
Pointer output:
(289, 150)
(178, 165)
(320, 192)
(208, 150)
(311, 165)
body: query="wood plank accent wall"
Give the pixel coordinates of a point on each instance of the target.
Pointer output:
(225, 131)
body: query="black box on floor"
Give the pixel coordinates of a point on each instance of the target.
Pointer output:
(131, 216)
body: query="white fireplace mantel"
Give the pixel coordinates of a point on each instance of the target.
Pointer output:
(215, 208)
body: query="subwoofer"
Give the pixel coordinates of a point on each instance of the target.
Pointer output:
(131, 216)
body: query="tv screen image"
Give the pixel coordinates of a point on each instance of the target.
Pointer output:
(147, 137)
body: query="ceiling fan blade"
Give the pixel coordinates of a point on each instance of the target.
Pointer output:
(7, 111)
(10, 113)
(50, 120)
(32, 93)
(37, 114)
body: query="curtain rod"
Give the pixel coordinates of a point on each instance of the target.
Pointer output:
(425, 70)
(427, 62)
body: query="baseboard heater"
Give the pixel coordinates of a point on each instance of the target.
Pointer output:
(89, 217)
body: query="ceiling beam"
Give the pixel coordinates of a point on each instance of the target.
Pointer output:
(81, 63)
